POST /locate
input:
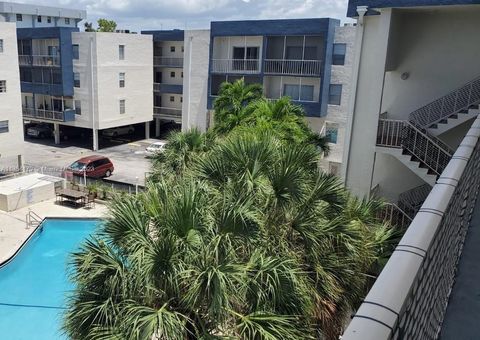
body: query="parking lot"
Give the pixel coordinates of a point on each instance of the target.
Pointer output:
(129, 158)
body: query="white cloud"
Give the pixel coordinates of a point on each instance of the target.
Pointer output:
(167, 14)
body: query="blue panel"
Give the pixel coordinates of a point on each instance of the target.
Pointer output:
(167, 35)
(64, 35)
(69, 115)
(352, 4)
(271, 27)
(169, 88)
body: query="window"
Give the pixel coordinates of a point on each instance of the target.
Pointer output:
(172, 74)
(331, 133)
(39, 18)
(121, 78)
(172, 99)
(121, 52)
(19, 17)
(182, 74)
(181, 99)
(76, 79)
(122, 106)
(335, 95)
(299, 92)
(75, 52)
(3, 126)
(49, 20)
(1, 45)
(339, 51)
(172, 48)
(67, 21)
(183, 49)
(78, 107)
(3, 86)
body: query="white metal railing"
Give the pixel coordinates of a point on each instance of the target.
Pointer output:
(167, 111)
(39, 60)
(244, 66)
(395, 216)
(168, 61)
(293, 67)
(429, 150)
(31, 112)
(410, 296)
(454, 102)
(32, 220)
(411, 200)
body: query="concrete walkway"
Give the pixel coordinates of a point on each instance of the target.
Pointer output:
(13, 230)
(462, 320)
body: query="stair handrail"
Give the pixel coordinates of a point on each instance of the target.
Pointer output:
(436, 141)
(391, 210)
(451, 103)
(412, 200)
(31, 217)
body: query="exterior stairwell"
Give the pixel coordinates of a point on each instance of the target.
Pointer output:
(423, 154)
(449, 111)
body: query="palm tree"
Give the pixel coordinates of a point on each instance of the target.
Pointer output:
(231, 102)
(250, 241)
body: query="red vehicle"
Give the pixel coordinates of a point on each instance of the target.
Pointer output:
(94, 166)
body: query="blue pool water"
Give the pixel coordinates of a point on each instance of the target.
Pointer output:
(33, 286)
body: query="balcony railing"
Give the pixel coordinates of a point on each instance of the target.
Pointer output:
(410, 297)
(168, 61)
(167, 111)
(59, 116)
(168, 88)
(243, 66)
(293, 67)
(39, 60)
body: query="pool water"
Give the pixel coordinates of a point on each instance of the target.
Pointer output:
(34, 285)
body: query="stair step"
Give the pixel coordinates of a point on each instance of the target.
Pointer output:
(433, 126)
(443, 121)
(454, 116)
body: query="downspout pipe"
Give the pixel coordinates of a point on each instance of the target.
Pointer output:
(361, 10)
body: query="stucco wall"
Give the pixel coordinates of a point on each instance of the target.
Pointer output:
(195, 79)
(11, 142)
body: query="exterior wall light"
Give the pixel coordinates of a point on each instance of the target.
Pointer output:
(405, 75)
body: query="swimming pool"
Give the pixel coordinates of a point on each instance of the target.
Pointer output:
(33, 286)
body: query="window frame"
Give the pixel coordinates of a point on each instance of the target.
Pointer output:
(19, 16)
(75, 51)
(67, 21)
(172, 49)
(1, 45)
(172, 99)
(3, 86)
(121, 82)
(5, 127)
(338, 58)
(122, 106)
(172, 74)
(331, 132)
(39, 18)
(335, 98)
(78, 108)
(121, 52)
(76, 82)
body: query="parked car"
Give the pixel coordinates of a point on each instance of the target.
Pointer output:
(71, 132)
(40, 131)
(94, 166)
(155, 147)
(119, 131)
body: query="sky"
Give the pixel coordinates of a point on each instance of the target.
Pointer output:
(190, 14)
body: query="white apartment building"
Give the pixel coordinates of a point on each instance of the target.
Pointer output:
(92, 81)
(417, 93)
(11, 124)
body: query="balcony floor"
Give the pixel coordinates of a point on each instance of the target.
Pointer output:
(462, 320)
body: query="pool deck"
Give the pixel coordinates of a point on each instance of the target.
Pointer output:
(13, 229)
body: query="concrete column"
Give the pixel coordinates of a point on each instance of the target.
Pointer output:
(95, 140)
(157, 127)
(56, 132)
(147, 130)
(21, 163)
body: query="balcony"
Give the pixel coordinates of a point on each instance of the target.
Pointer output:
(167, 88)
(293, 67)
(167, 62)
(241, 66)
(39, 60)
(429, 287)
(67, 115)
(167, 112)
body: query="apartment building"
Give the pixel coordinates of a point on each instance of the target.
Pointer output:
(11, 125)
(308, 60)
(416, 95)
(180, 74)
(92, 81)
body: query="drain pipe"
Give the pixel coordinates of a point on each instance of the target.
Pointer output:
(361, 10)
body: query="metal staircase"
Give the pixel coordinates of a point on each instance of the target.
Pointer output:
(455, 106)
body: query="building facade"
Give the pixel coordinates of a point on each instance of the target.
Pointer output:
(417, 93)
(11, 124)
(85, 80)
